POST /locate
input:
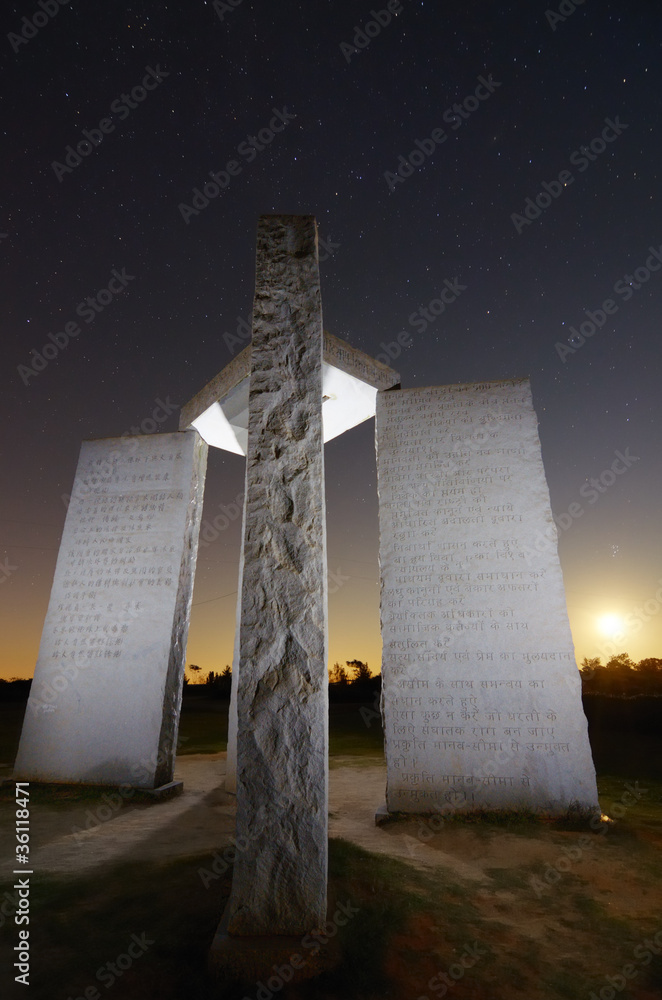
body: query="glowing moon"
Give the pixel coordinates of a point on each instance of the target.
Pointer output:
(611, 625)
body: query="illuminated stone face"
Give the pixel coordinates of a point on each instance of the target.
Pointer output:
(219, 412)
(481, 693)
(279, 881)
(105, 700)
(350, 382)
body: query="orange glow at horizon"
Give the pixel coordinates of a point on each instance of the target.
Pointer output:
(353, 631)
(623, 589)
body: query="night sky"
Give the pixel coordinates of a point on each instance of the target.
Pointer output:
(531, 90)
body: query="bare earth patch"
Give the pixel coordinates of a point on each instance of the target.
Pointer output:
(552, 911)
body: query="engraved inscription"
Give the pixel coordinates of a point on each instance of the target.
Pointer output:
(478, 670)
(104, 703)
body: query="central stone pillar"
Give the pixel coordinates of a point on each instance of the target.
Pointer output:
(280, 873)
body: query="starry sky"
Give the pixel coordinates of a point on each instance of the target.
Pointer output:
(495, 102)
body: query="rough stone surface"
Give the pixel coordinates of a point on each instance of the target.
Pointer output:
(106, 696)
(231, 762)
(227, 379)
(340, 356)
(350, 360)
(250, 960)
(336, 352)
(279, 883)
(481, 692)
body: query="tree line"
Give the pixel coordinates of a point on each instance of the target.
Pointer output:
(349, 682)
(354, 672)
(621, 677)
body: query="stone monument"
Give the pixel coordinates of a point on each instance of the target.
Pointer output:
(279, 883)
(481, 695)
(278, 401)
(350, 383)
(106, 695)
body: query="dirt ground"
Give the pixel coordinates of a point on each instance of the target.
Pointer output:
(77, 840)
(542, 936)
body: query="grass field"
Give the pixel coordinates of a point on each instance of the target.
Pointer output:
(203, 728)
(558, 912)
(525, 934)
(354, 729)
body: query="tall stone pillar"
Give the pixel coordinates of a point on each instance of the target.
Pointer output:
(280, 874)
(231, 758)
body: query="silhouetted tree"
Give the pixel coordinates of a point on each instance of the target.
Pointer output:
(651, 666)
(195, 670)
(621, 661)
(338, 674)
(622, 677)
(360, 671)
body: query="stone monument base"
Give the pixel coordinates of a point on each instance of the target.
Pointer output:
(168, 791)
(382, 815)
(254, 960)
